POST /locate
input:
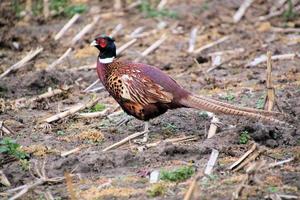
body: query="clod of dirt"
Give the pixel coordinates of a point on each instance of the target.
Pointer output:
(271, 136)
(35, 83)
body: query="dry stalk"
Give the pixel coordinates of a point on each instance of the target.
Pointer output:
(207, 46)
(4, 129)
(211, 162)
(92, 85)
(285, 30)
(208, 170)
(213, 127)
(264, 58)
(70, 186)
(277, 13)
(125, 46)
(23, 102)
(66, 153)
(85, 30)
(40, 180)
(116, 30)
(251, 170)
(146, 34)
(94, 114)
(125, 140)
(173, 140)
(248, 160)
(60, 59)
(153, 47)
(66, 26)
(162, 4)
(3, 179)
(241, 159)
(46, 11)
(225, 52)
(117, 5)
(241, 11)
(270, 98)
(28, 9)
(189, 194)
(73, 110)
(109, 15)
(192, 41)
(22, 62)
(279, 163)
(133, 5)
(136, 31)
(48, 196)
(220, 55)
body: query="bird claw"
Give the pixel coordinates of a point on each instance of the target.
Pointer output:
(145, 138)
(124, 120)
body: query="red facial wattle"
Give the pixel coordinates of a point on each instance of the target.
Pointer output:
(102, 43)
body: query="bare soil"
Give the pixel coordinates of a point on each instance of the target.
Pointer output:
(120, 169)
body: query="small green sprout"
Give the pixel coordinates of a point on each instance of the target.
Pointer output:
(11, 147)
(177, 175)
(244, 137)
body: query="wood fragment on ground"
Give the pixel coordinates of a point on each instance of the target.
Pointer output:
(275, 13)
(208, 170)
(213, 127)
(173, 140)
(66, 153)
(270, 98)
(264, 58)
(280, 163)
(125, 46)
(66, 26)
(162, 4)
(94, 114)
(4, 180)
(251, 171)
(60, 59)
(241, 11)
(221, 54)
(153, 47)
(85, 30)
(241, 159)
(46, 10)
(207, 46)
(23, 102)
(41, 178)
(4, 130)
(116, 30)
(73, 110)
(285, 30)
(21, 63)
(192, 40)
(211, 162)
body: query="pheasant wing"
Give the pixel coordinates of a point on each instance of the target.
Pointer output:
(140, 89)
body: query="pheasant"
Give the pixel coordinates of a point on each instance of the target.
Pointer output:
(146, 92)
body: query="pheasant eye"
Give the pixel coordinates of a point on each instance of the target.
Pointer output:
(102, 43)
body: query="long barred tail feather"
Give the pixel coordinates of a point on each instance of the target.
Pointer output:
(215, 106)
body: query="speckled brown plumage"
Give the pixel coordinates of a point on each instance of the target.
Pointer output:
(146, 92)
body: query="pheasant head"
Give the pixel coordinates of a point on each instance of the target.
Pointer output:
(106, 46)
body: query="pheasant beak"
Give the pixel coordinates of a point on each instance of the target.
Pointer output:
(94, 43)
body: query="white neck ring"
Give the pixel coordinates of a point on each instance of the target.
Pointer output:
(106, 60)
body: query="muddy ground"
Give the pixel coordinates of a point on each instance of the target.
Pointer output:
(120, 173)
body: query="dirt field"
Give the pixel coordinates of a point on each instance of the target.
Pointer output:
(123, 173)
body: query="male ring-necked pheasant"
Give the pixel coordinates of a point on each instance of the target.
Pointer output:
(146, 92)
